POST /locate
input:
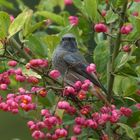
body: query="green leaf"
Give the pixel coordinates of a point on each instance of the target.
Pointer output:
(91, 8)
(137, 24)
(59, 112)
(46, 5)
(49, 100)
(1, 49)
(134, 118)
(120, 2)
(51, 41)
(111, 17)
(130, 90)
(21, 5)
(101, 56)
(78, 4)
(4, 24)
(61, 4)
(123, 58)
(54, 17)
(118, 85)
(92, 139)
(136, 53)
(19, 22)
(124, 85)
(35, 27)
(127, 70)
(7, 4)
(36, 45)
(129, 131)
(27, 25)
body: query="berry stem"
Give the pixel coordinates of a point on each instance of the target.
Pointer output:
(114, 50)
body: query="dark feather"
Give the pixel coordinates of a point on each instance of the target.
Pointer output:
(78, 64)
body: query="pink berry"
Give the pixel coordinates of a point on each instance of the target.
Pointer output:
(138, 92)
(82, 95)
(40, 125)
(54, 74)
(73, 20)
(12, 63)
(38, 135)
(126, 48)
(78, 85)
(68, 2)
(43, 92)
(85, 86)
(103, 13)
(36, 62)
(15, 111)
(79, 120)
(3, 86)
(105, 137)
(137, 106)
(69, 90)
(91, 123)
(63, 105)
(12, 18)
(115, 116)
(135, 13)
(100, 27)
(91, 68)
(45, 112)
(30, 123)
(126, 111)
(21, 90)
(61, 132)
(33, 80)
(77, 129)
(126, 29)
(18, 71)
(73, 138)
(20, 78)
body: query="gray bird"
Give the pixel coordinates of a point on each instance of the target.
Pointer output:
(71, 63)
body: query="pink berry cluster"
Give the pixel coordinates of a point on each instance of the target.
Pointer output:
(48, 127)
(106, 114)
(67, 107)
(78, 87)
(40, 63)
(91, 68)
(5, 78)
(14, 102)
(20, 98)
(17, 73)
(101, 27)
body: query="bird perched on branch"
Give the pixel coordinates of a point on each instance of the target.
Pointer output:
(71, 63)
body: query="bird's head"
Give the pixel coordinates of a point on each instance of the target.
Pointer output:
(69, 43)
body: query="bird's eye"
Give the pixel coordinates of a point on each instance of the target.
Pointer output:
(73, 39)
(69, 39)
(63, 39)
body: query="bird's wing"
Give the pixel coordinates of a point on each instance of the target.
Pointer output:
(77, 63)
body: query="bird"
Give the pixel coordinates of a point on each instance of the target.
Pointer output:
(70, 62)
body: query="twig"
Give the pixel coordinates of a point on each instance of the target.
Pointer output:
(114, 52)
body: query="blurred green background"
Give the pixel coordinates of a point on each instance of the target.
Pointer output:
(13, 127)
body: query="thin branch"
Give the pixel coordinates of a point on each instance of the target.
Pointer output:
(115, 50)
